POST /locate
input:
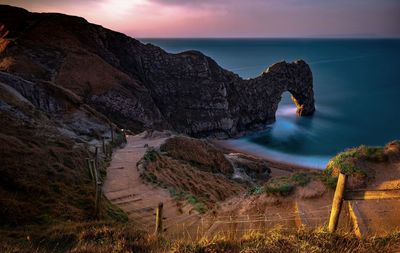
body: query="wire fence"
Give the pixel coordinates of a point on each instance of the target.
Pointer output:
(190, 226)
(231, 224)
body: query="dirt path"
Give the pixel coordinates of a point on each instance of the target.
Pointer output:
(235, 216)
(124, 187)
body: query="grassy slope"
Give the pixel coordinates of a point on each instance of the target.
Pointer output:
(352, 163)
(44, 181)
(193, 170)
(106, 237)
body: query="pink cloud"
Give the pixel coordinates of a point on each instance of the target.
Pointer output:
(232, 18)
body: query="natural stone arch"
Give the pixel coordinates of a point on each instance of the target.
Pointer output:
(296, 78)
(198, 97)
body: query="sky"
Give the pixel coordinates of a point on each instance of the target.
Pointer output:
(233, 18)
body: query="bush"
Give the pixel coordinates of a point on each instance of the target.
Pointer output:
(256, 189)
(279, 186)
(301, 178)
(191, 199)
(150, 155)
(283, 186)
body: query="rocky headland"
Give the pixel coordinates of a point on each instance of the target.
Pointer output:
(140, 86)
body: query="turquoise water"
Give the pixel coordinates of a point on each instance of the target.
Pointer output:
(357, 92)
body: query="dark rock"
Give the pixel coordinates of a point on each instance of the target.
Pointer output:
(256, 169)
(141, 86)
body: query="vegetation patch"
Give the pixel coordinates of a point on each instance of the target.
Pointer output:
(110, 237)
(199, 153)
(284, 186)
(197, 204)
(279, 186)
(352, 162)
(186, 182)
(150, 155)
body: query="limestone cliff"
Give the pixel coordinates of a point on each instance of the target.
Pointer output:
(141, 86)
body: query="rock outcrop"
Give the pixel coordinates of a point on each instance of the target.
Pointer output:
(141, 86)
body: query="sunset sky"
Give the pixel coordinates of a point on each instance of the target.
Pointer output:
(233, 18)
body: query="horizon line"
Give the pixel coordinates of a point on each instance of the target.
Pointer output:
(256, 37)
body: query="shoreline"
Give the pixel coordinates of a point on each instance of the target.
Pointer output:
(227, 148)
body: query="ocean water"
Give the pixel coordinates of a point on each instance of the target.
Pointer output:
(356, 84)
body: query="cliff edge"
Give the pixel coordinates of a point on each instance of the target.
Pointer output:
(141, 86)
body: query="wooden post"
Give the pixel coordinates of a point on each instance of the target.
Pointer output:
(89, 166)
(159, 219)
(110, 151)
(359, 227)
(124, 135)
(337, 202)
(97, 199)
(96, 156)
(112, 133)
(95, 172)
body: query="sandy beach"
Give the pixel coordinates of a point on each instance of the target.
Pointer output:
(228, 147)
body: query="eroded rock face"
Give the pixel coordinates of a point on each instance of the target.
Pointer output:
(141, 86)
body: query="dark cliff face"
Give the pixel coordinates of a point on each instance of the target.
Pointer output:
(141, 86)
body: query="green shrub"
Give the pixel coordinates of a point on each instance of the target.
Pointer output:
(328, 179)
(279, 186)
(283, 185)
(301, 178)
(191, 199)
(150, 155)
(256, 189)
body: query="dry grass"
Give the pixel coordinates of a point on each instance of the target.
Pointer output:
(109, 237)
(43, 176)
(301, 241)
(286, 185)
(186, 179)
(198, 153)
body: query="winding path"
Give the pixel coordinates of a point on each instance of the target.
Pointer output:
(124, 187)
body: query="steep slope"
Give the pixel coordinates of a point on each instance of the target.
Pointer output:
(141, 86)
(44, 141)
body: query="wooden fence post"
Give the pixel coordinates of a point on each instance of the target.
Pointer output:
(112, 133)
(97, 199)
(159, 219)
(337, 202)
(103, 145)
(96, 156)
(108, 151)
(89, 166)
(124, 135)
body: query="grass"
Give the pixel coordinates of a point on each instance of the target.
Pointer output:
(111, 237)
(198, 153)
(301, 178)
(348, 161)
(183, 179)
(150, 155)
(283, 186)
(352, 162)
(199, 206)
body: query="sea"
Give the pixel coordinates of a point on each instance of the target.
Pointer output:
(356, 85)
